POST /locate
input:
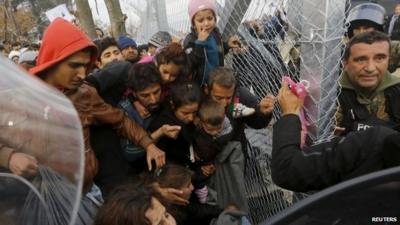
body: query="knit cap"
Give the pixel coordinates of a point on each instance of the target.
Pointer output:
(197, 5)
(124, 42)
(160, 39)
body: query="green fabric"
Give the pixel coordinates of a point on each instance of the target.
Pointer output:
(388, 81)
(375, 102)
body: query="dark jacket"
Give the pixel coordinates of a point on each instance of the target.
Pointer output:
(197, 54)
(110, 82)
(356, 112)
(325, 164)
(176, 150)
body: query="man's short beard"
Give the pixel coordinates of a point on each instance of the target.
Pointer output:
(135, 60)
(153, 109)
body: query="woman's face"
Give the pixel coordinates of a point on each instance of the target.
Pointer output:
(157, 214)
(169, 72)
(187, 113)
(187, 190)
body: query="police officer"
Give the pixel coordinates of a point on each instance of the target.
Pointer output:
(370, 94)
(368, 17)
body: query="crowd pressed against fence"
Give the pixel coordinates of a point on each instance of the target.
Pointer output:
(163, 123)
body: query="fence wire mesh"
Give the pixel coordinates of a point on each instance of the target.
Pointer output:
(302, 39)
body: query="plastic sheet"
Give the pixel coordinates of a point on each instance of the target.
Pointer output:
(40, 121)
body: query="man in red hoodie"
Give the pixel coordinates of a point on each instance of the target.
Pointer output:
(64, 59)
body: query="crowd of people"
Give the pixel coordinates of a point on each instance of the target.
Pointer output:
(163, 123)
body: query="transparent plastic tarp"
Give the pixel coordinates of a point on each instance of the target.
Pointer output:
(39, 121)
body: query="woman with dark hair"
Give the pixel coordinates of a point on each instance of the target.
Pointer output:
(133, 205)
(172, 63)
(179, 177)
(184, 103)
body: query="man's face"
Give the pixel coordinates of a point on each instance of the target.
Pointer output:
(367, 64)
(69, 71)
(130, 54)
(150, 97)
(221, 94)
(109, 55)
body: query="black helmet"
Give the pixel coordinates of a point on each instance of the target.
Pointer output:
(366, 14)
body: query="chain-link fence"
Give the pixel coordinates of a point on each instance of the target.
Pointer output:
(301, 39)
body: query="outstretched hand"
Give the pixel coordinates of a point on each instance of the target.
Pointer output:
(234, 42)
(156, 154)
(171, 131)
(171, 195)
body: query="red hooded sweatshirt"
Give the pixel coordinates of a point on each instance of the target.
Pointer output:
(61, 40)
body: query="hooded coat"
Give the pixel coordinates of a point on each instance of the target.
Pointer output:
(56, 47)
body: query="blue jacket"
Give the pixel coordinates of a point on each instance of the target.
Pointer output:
(197, 54)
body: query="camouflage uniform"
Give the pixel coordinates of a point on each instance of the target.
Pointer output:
(357, 111)
(375, 106)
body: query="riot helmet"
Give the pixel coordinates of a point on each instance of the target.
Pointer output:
(369, 15)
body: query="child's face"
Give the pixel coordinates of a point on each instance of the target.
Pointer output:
(169, 72)
(205, 20)
(211, 129)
